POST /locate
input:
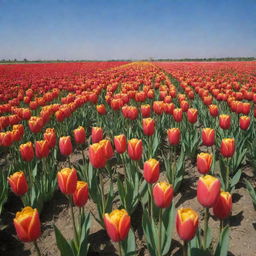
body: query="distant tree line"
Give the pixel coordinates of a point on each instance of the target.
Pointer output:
(11, 61)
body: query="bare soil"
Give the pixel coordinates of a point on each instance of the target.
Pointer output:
(242, 222)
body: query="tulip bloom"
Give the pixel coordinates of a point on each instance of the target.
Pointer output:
(80, 195)
(117, 224)
(97, 155)
(18, 183)
(65, 145)
(27, 151)
(6, 139)
(227, 148)
(120, 143)
(224, 121)
(42, 149)
(97, 134)
(223, 205)
(79, 135)
(173, 136)
(208, 189)
(108, 150)
(145, 110)
(213, 110)
(244, 122)
(101, 109)
(151, 170)
(50, 136)
(184, 105)
(204, 162)
(192, 114)
(67, 180)
(177, 114)
(186, 223)
(163, 194)
(148, 125)
(208, 136)
(35, 124)
(158, 107)
(27, 224)
(135, 149)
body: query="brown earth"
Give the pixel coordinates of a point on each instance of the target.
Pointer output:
(242, 222)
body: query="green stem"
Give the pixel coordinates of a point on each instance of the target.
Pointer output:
(37, 248)
(185, 248)
(150, 201)
(160, 233)
(227, 176)
(206, 217)
(73, 221)
(102, 193)
(120, 248)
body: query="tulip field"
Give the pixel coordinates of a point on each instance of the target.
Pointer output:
(128, 158)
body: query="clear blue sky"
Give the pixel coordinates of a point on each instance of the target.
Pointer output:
(107, 29)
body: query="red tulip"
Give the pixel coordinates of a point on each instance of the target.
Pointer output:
(6, 139)
(177, 114)
(97, 134)
(151, 170)
(208, 189)
(145, 110)
(80, 195)
(223, 205)
(18, 183)
(108, 150)
(27, 224)
(208, 136)
(186, 223)
(79, 135)
(246, 108)
(97, 155)
(244, 122)
(135, 149)
(27, 151)
(67, 180)
(173, 136)
(35, 124)
(148, 125)
(192, 114)
(163, 194)
(65, 145)
(158, 107)
(213, 110)
(101, 109)
(224, 121)
(227, 148)
(120, 143)
(117, 224)
(184, 105)
(204, 162)
(42, 149)
(50, 137)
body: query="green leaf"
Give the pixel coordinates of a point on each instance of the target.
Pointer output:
(236, 178)
(208, 237)
(251, 191)
(150, 233)
(62, 243)
(222, 247)
(129, 244)
(168, 221)
(84, 245)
